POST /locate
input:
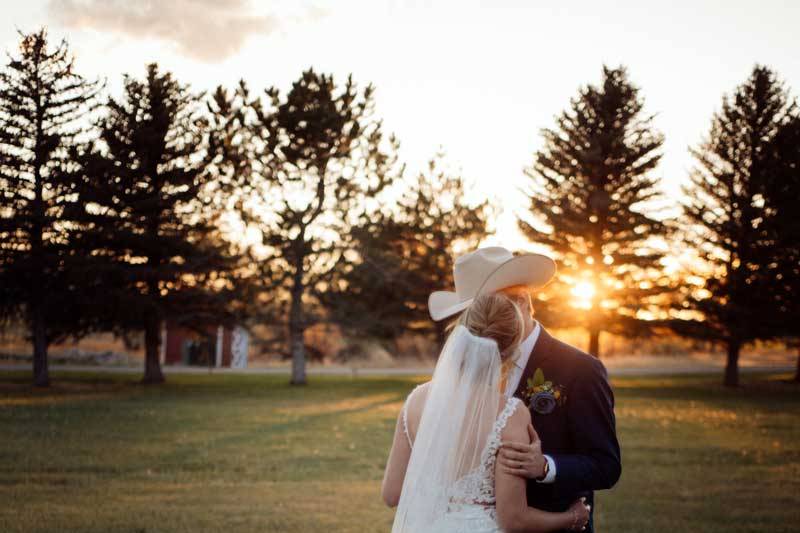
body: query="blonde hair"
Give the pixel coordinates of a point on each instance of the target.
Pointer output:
(497, 317)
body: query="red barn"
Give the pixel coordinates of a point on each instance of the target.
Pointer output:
(217, 346)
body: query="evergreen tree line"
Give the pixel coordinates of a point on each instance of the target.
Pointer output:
(116, 213)
(593, 186)
(119, 213)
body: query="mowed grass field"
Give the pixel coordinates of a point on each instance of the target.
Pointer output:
(241, 453)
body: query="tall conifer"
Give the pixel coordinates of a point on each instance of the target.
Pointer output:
(737, 219)
(149, 219)
(44, 108)
(590, 184)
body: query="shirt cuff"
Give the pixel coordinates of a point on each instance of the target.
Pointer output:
(551, 471)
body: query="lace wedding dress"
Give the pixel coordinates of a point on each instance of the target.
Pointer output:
(471, 500)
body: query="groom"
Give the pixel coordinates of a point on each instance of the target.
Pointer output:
(574, 449)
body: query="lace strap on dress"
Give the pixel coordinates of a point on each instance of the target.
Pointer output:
(508, 410)
(493, 442)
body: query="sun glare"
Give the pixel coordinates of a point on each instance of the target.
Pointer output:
(583, 292)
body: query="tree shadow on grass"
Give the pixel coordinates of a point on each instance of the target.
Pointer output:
(762, 391)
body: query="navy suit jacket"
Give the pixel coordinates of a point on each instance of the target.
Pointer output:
(580, 435)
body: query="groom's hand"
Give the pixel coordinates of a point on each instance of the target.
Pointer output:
(525, 460)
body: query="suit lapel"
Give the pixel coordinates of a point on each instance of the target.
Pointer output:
(539, 352)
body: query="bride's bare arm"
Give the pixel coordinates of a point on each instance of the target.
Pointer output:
(513, 512)
(396, 465)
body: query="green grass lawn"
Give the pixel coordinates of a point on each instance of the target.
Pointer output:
(250, 453)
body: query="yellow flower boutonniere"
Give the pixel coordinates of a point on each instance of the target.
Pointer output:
(543, 396)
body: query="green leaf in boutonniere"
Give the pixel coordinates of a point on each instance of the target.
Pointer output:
(538, 377)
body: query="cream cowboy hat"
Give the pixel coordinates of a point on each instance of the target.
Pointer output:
(488, 270)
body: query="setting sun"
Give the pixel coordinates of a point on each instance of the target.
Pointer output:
(584, 293)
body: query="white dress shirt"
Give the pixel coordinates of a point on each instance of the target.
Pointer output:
(526, 348)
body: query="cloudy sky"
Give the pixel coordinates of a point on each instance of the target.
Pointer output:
(479, 79)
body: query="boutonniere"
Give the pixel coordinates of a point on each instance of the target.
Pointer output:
(543, 396)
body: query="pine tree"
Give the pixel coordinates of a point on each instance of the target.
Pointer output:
(149, 207)
(318, 159)
(591, 183)
(44, 105)
(778, 283)
(783, 191)
(405, 253)
(728, 221)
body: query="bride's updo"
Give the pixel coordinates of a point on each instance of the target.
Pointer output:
(497, 317)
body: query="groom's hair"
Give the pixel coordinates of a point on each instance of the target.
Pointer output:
(521, 294)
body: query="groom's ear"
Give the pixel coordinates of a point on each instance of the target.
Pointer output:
(527, 296)
(522, 295)
(530, 303)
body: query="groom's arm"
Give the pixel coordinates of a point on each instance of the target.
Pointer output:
(595, 463)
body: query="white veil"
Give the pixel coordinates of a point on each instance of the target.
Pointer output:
(460, 411)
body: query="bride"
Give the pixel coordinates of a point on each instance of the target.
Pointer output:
(441, 471)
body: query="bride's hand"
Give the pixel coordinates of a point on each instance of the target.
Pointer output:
(579, 514)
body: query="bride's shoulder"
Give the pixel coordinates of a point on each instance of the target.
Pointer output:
(422, 388)
(420, 391)
(518, 416)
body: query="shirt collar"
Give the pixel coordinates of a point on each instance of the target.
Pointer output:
(526, 347)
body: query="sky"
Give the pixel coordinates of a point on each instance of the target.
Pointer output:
(476, 79)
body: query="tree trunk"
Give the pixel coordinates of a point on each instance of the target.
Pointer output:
(797, 373)
(594, 342)
(297, 342)
(594, 325)
(41, 372)
(152, 342)
(297, 329)
(732, 366)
